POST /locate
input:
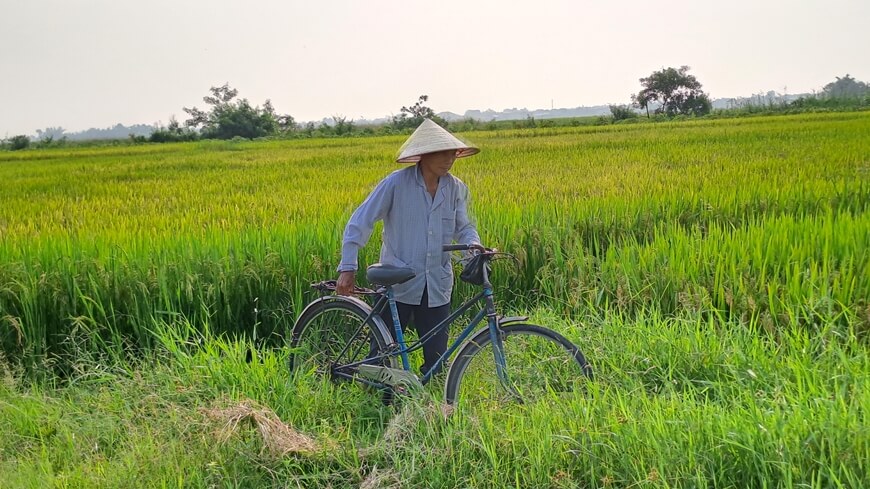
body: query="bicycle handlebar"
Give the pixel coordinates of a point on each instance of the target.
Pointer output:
(466, 247)
(455, 247)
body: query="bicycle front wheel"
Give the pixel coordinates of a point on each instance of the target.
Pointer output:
(333, 332)
(539, 365)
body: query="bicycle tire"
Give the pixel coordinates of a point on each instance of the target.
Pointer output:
(540, 363)
(326, 326)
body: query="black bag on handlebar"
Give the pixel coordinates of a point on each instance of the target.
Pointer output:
(473, 270)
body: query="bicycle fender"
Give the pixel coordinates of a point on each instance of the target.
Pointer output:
(379, 323)
(512, 319)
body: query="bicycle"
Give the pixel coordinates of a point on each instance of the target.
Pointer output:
(343, 338)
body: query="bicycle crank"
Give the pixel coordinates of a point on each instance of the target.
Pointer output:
(399, 380)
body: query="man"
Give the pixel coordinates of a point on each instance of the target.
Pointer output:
(422, 207)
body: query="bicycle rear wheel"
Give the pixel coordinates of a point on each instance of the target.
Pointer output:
(332, 332)
(540, 365)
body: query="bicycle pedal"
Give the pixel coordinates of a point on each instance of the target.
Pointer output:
(398, 379)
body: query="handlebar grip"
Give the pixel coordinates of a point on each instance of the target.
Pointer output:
(455, 247)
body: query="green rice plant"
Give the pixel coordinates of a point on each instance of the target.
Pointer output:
(757, 220)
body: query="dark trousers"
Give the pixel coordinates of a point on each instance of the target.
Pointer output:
(424, 319)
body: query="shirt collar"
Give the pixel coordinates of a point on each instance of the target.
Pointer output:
(418, 177)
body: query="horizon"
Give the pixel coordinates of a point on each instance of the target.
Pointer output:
(378, 119)
(100, 63)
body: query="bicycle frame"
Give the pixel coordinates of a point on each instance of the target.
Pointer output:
(386, 297)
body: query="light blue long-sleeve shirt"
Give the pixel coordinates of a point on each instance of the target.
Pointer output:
(415, 227)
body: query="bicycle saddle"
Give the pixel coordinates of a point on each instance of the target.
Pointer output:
(381, 274)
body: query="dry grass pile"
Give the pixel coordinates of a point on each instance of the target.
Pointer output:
(279, 438)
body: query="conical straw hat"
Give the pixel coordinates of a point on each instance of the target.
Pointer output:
(429, 137)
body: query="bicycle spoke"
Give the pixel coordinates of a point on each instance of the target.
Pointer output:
(332, 335)
(539, 366)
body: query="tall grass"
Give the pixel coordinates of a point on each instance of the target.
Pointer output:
(679, 402)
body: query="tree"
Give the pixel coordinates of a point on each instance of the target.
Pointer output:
(622, 112)
(285, 122)
(169, 134)
(230, 118)
(341, 126)
(675, 91)
(413, 116)
(846, 87)
(19, 142)
(50, 133)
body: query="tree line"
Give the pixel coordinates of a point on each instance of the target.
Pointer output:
(674, 92)
(668, 93)
(228, 117)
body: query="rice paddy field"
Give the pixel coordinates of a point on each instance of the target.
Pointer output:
(715, 272)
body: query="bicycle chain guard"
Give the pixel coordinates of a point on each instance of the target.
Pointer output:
(399, 380)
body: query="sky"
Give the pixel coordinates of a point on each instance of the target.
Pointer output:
(94, 63)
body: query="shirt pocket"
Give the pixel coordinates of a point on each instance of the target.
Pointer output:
(448, 226)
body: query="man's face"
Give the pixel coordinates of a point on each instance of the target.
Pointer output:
(439, 163)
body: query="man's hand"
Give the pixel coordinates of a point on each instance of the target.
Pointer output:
(345, 283)
(478, 247)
